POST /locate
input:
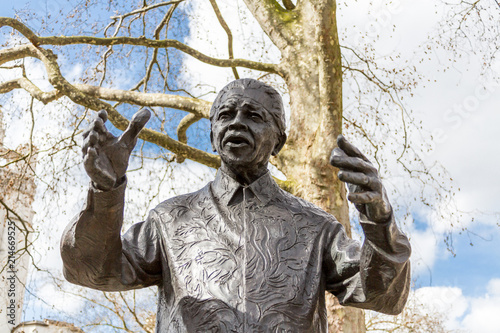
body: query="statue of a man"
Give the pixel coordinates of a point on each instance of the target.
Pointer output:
(239, 255)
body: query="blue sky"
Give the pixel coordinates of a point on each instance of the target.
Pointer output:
(467, 144)
(472, 267)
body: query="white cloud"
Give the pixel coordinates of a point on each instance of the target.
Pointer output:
(464, 140)
(472, 314)
(483, 316)
(468, 144)
(494, 287)
(447, 302)
(53, 296)
(448, 308)
(424, 245)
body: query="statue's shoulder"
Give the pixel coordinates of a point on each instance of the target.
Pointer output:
(303, 207)
(186, 201)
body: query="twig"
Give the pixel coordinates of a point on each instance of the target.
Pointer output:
(229, 35)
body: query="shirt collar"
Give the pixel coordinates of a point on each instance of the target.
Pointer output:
(224, 187)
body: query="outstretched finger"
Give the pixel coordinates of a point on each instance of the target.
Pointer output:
(348, 163)
(90, 141)
(103, 115)
(337, 152)
(137, 123)
(86, 133)
(349, 148)
(98, 125)
(360, 179)
(89, 157)
(363, 197)
(99, 128)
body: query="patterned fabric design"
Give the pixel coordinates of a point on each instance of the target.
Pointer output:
(233, 258)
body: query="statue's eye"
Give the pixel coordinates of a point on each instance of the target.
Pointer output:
(224, 114)
(256, 116)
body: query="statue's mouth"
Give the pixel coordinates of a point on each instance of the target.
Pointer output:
(236, 140)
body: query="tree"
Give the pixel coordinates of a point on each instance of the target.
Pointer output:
(312, 67)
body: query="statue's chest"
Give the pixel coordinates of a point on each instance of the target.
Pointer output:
(237, 253)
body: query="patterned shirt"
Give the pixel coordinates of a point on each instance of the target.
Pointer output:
(233, 258)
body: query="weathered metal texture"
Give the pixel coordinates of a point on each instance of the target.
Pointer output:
(241, 254)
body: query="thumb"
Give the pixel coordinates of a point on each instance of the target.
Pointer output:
(135, 126)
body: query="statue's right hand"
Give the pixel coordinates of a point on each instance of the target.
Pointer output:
(105, 157)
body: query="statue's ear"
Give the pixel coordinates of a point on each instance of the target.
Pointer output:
(280, 144)
(212, 140)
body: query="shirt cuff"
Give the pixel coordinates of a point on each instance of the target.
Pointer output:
(108, 200)
(383, 236)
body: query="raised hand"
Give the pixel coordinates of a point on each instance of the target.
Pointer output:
(365, 187)
(105, 157)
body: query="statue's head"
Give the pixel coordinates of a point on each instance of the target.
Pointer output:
(248, 123)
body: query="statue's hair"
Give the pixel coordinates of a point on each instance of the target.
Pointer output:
(273, 103)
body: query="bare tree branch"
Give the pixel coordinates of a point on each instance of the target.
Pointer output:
(15, 53)
(130, 310)
(145, 9)
(79, 97)
(154, 60)
(274, 19)
(184, 125)
(24, 223)
(195, 106)
(368, 74)
(228, 32)
(90, 40)
(31, 88)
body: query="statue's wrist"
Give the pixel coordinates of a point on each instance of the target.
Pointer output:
(380, 216)
(383, 218)
(99, 187)
(117, 184)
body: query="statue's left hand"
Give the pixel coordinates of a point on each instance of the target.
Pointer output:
(366, 191)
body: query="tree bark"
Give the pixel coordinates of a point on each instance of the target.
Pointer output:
(311, 63)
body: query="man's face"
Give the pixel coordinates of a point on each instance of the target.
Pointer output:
(244, 132)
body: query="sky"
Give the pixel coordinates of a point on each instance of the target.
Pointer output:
(458, 107)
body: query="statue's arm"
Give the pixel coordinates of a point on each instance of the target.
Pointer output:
(92, 250)
(381, 280)
(384, 266)
(96, 256)
(375, 275)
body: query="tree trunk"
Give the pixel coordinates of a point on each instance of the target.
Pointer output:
(311, 62)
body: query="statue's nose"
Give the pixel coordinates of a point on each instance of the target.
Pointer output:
(238, 122)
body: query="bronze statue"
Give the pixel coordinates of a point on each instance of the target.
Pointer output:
(241, 254)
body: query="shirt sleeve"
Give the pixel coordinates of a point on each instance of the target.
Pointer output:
(94, 254)
(374, 276)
